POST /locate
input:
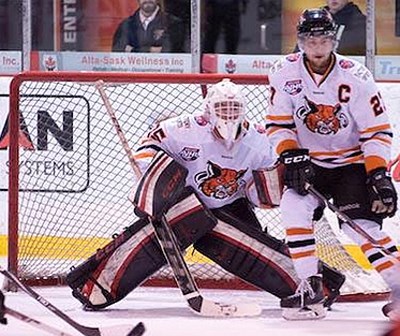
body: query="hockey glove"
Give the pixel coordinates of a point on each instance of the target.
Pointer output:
(298, 169)
(382, 193)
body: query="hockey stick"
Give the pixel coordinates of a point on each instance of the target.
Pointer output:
(127, 330)
(346, 219)
(187, 284)
(37, 324)
(170, 247)
(24, 318)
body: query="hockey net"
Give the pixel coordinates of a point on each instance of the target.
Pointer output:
(70, 193)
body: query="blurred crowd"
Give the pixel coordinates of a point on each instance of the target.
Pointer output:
(164, 26)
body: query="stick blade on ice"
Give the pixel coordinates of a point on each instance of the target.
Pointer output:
(123, 330)
(213, 309)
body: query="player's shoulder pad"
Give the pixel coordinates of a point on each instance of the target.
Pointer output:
(355, 69)
(284, 62)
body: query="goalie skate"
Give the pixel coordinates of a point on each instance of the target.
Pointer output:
(307, 303)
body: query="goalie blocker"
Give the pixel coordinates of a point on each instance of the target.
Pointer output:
(230, 236)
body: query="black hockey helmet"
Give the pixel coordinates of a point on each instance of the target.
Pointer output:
(316, 21)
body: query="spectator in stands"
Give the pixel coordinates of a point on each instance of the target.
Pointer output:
(178, 20)
(144, 31)
(351, 23)
(223, 14)
(352, 26)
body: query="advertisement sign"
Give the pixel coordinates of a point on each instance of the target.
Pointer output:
(56, 152)
(386, 67)
(10, 62)
(122, 62)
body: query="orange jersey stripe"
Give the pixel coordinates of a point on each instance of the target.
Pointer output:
(285, 145)
(366, 247)
(143, 155)
(376, 128)
(299, 231)
(384, 140)
(279, 118)
(300, 255)
(384, 266)
(339, 152)
(273, 129)
(385, 240)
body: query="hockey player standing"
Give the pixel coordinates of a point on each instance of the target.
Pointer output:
(328, 123)
(220, 149)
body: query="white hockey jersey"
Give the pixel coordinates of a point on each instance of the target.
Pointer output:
(339, 117)
(219, 175)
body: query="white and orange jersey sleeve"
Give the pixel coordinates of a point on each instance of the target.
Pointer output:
(154, 141)
(370, 114)
(281, 128)
(169, 135)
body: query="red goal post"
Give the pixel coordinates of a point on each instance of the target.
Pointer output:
(69, 177)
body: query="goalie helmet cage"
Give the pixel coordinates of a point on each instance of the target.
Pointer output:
(70, 193)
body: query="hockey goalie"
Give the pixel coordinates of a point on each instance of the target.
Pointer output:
(204, 173)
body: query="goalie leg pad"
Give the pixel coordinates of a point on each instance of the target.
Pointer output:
(122, 265)
(247, 253)
(110, 274)
(189, 218)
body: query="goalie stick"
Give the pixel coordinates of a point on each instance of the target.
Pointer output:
(346, 219)
(170, 247)
(126, 330)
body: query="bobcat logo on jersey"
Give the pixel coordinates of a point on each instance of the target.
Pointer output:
(219, 182)
(322, 119)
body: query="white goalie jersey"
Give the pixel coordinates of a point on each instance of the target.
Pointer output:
(340, 117)
(219, 175)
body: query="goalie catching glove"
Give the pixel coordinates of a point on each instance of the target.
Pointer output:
(382, 193)
(298, 169)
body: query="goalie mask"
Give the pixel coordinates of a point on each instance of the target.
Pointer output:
(225, 105)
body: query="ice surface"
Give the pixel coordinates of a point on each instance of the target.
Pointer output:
(164, 312)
